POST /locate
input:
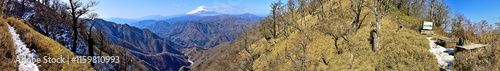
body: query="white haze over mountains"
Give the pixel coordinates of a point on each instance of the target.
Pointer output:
(199, 11)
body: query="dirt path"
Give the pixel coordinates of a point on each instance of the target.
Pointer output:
(23, 53)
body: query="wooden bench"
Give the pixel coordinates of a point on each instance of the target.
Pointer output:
(468, 47)
(426, 32)
(447, 43)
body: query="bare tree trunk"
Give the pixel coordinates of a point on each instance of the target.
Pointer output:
(379, 12)
(75, 38)
(74, 26)
(91, 42)
(375, 40)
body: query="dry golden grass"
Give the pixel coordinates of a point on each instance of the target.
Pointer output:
(478, 59)
(485, 58)
(45, 46)
(7, 49)
(403, 50)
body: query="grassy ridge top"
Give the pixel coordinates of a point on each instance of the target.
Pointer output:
(400, 49)
(43, 45)
(403, 50)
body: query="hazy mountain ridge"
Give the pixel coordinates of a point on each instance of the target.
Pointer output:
(151, 50)
(135, 20)
(199, 31)
(141, 24)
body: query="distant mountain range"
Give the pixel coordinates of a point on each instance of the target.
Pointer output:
(157, 41)
(200, 31)
(153, 51)
(150, 17)
(194, 13)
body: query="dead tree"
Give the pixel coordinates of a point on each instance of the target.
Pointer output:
(77, 9)
(90, 39)
(379, 11)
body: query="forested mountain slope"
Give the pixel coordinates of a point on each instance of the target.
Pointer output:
(202, 31)
(150, 49)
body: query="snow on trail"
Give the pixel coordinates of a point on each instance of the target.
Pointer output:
(23, 52)
(443, 58)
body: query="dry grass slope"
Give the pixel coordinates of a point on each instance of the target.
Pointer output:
(402, 50)
(7, 49)
(45, 47)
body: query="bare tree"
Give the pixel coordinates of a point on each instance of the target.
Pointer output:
(409, 5)
(291, 5)
(90, 39)
(303, 46)
(77, 9)
(333, 28)
(481, 26)
(274, 14)
(456, 24)
(357, 7)
(302, 5)
(439, 12)
(379, 11)
(244, 44)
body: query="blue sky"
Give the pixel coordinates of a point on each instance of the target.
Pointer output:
(140, 8)
(477, 10)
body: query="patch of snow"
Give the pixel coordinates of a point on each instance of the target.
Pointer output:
(200, 8)
(444, 58)
(23, 52)
(27, 15)
(205, 11)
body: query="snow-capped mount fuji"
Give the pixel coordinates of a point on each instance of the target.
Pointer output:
(202, 11)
